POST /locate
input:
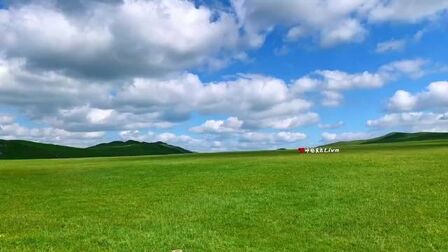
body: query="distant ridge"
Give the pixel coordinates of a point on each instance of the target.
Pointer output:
(404, 137)
(20, 149)
(396, 137)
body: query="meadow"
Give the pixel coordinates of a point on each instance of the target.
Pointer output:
(375, 197)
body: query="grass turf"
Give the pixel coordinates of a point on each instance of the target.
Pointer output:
(372, 197)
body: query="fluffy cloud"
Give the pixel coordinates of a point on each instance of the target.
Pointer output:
(414, 121)
(406, 10)
(423, 111)
(260, 101)
(186, 141)
(336, 125)
(86, 118)
(78, 104)
(391, 46)
(83, 105)
(337, 22)
(435, 96)
(332, 82)
(40, 92)
(345, 136)
(333, 25)
(230, 125)
(402, 101)
(272, 138)
(10, 129)
(247, 140)
(134, 37)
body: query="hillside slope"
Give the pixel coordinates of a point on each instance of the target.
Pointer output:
(19, 149)
(398, 137)
(134, 148)
(404, 137)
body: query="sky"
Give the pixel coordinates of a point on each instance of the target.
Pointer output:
(222, 75)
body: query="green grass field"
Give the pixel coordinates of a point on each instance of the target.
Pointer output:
(372, 197)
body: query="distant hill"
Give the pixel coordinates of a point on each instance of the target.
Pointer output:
(404, 137)
(397, 137)
(19, 149)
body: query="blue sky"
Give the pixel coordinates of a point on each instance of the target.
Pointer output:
(216, 76)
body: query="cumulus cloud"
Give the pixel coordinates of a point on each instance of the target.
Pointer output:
(247, 140)
(331, 83)
(403, 101)
(406, 10)
(332, 26)
(272, 138)
(134, 37)
(434, 97)
(230, 125)
(337, 22)
(345, 136)
(83, 105)
(10, 129)
(422, 111)
(260, 101)
(391, 46)
(42, 92)
(335, 125)
(414, 121)
(182, 140)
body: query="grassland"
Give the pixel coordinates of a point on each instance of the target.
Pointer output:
(370, 197)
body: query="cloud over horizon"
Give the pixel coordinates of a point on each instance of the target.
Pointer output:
(210, 75)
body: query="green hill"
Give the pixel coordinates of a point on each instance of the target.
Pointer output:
(19, 149)
(405, 137)
(399, 138)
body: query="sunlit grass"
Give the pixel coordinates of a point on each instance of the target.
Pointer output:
(374, 198)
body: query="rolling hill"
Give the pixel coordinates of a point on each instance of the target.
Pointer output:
(399, 138)
(20, 149)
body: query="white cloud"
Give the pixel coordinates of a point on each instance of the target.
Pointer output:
(10, 129)
(348, 30)
(435, 96)
(272, 138)
(337, 22)
(345, 136)
(260, 101)
(83, 105)
(304, 85)
(336, 125)
(391, 46)
(134, 37)
(331, 83)
(42, 92)
(332, 26)
(6, 119)
(422, 111)
(295, 33)
(242, 140)
(403, 101)
(99, 115)
(406, 10)
(183, 140)
(331, 98)
(412, 68)
(414, 121)
(230, 125)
